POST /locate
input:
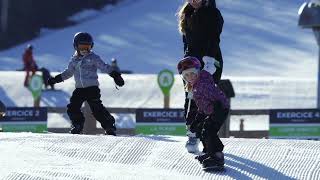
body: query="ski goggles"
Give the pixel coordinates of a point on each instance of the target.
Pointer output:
(189, 71)
(82, 47)
(188, 62)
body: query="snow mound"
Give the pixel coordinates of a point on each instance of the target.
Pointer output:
(64, 156)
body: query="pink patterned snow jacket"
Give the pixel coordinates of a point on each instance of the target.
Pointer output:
(206, 92)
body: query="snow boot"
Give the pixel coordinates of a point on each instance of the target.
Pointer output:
(111, 131)
(192, 144)
(76, 129)
(214, 163)
(202, 157)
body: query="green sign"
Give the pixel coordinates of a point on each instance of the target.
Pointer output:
(161, 129)
(35, 86)
(165, 81)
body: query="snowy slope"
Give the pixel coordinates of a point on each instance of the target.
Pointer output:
(62, 156)
(260, 38)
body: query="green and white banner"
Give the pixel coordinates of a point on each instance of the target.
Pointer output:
(24, 119)
(311, 131)
(295, 123)
(161, 129)
(160, 122)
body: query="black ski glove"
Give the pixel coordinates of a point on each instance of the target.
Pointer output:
(54, 80)
(117, 78)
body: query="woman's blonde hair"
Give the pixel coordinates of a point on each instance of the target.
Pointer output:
(182, 17)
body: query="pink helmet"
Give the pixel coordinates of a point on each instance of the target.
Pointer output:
(187, 63)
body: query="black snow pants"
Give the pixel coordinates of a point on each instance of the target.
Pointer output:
(211, 126)
(92, 96)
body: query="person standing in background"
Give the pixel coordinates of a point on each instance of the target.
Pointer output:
(29, 64)
(200, 24)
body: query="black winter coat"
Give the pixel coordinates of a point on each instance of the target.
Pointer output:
(202, 34)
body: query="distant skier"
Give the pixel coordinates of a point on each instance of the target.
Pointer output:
(83, 66)
(213, 108)
(29, 64)
(200, 23)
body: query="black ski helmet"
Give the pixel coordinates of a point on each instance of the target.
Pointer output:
(82, 38)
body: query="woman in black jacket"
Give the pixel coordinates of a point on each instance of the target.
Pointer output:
(200, 24)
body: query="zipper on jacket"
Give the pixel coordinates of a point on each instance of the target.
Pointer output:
(80, 73)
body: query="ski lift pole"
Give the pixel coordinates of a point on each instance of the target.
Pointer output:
(309, 17)
(316, 32)
(188, 110)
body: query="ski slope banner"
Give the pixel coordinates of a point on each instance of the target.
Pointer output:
(294, 123)
(24, 119)
(160, 122)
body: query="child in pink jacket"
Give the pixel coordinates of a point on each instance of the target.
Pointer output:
(213, 109)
